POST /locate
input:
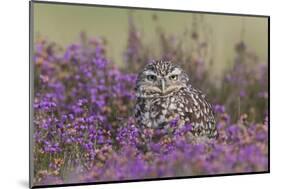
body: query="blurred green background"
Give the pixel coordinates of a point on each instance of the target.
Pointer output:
(63, 23)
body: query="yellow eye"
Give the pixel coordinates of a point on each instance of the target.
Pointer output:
(173, 77)
(151, 77)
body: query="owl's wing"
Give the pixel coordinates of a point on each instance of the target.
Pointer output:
(199, 112)
(139, 109)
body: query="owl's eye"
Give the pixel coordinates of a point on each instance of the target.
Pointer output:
(173, 77)
(151, 77)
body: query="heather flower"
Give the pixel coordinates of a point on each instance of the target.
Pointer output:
(219, 108)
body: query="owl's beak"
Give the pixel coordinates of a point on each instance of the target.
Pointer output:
(163, 85)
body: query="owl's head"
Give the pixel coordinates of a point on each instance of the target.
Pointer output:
(160, 79)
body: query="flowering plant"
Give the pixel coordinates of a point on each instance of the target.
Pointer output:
(84, 130)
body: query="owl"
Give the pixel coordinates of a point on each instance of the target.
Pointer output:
(164, 94)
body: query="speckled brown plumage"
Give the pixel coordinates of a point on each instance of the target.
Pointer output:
(165, 94)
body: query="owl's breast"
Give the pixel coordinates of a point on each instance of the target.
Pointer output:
(158, 112)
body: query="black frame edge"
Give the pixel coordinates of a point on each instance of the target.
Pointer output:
(30, 83)
(268, 57)
(150, 179)
(147, 8)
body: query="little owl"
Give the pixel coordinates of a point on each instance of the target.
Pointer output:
(164, 94)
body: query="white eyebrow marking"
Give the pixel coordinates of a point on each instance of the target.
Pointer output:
(176, 71)
(149, 72)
